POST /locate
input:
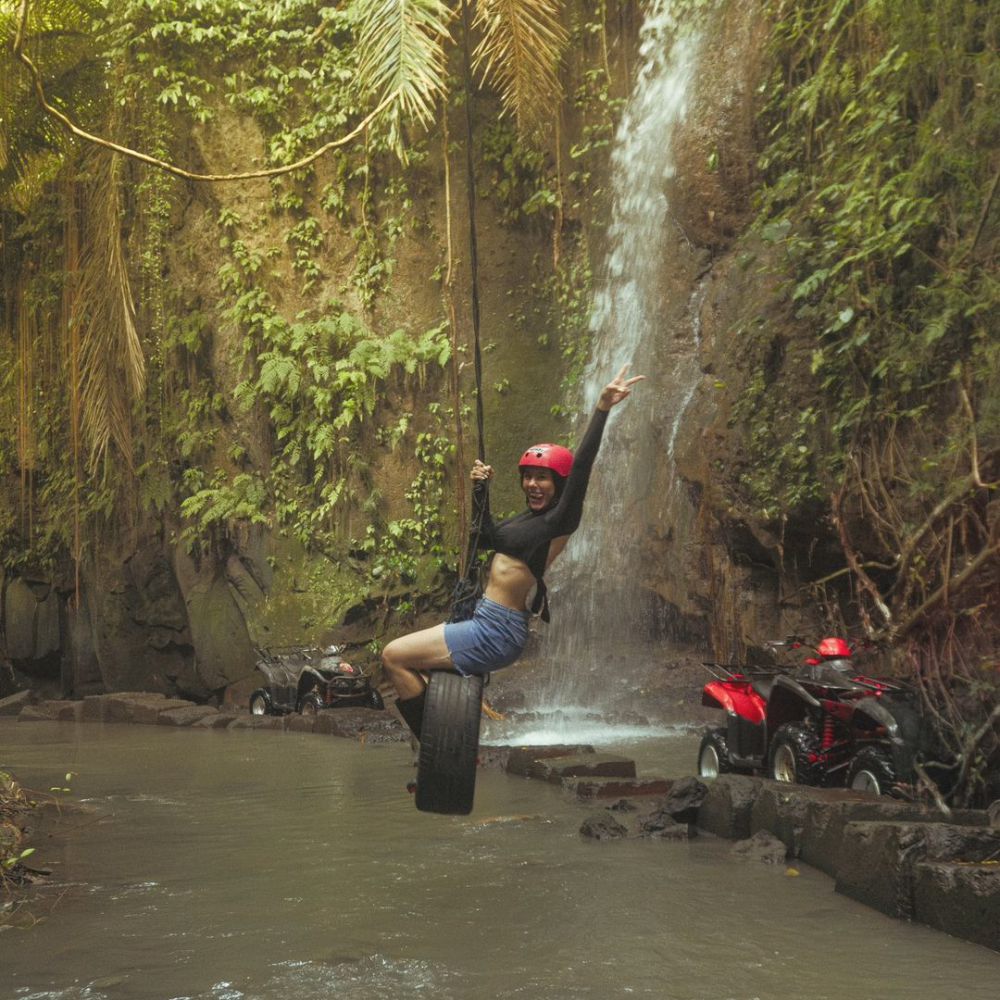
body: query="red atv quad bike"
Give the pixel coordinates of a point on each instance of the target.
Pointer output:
(823, 723)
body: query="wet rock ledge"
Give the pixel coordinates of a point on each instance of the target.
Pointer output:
(147, 708)
(906, 860)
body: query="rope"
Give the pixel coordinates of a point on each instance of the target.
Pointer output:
(470, 178)
(468, 560)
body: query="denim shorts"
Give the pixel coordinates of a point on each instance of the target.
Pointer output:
(492, 638)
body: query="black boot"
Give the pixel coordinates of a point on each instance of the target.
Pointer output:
(412, 711)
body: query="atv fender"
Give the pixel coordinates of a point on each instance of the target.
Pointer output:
(788, 703)
(796, 689)
(876, 711)
(741, 701)
(902, 738)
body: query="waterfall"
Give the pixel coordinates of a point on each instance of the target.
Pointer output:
(600, 609)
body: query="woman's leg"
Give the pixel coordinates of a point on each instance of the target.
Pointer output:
(408, 656)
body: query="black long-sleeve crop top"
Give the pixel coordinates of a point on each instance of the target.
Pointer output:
(527, 536)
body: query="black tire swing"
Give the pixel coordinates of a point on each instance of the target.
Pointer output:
(452, 713)
(449, 733)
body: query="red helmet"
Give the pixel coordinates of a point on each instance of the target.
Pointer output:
(833, 648)
(548, 456)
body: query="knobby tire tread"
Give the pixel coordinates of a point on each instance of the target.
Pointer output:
(449, 744)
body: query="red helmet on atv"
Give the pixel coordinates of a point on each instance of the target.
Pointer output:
(547, 456)
(831, 649)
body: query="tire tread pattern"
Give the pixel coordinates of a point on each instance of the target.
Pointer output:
(449, 744)
(803, 744)
(877, 761)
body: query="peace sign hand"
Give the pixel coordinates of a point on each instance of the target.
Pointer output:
(617, 389)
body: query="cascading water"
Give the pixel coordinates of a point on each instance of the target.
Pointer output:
(599, 605)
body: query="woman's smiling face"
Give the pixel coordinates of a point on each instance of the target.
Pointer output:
(539, 487)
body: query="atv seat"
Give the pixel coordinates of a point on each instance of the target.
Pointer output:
(762, 685)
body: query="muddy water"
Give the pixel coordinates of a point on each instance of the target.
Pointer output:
(239, 865)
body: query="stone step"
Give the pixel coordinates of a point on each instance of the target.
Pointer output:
(51, 711)
(557, 770)
(186, 715)
(521, 759)
(960, 898)
(590, 789)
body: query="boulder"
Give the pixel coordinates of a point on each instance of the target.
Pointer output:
(130, 706)
(223, 650)
(603, 826)
(588, 789)
(70, 711)
(81, 668)
(661, 825)
(237, 695)
(31, 620)
(62, 710)
(521, 759)
(558, 770)
(728, 805)
(221, 720)
(186, 715)
(685, 799)
(12, 704)
(762, 847)
(960, 898)
(331, 723)
(814, 830)
(139, 634)
(54, 711)
(95, 707)
(42, 712)
(257, 722)
(880, 859)
(494, 758)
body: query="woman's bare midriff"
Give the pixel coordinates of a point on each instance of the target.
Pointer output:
(510, 581)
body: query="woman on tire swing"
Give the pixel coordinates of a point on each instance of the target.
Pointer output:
(554, 482)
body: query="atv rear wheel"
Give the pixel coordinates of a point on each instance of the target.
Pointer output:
(449, 743)
(871, 770)
(793, 754)
(311, 704)
(713, 754)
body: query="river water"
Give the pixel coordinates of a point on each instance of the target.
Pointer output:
(244, 865)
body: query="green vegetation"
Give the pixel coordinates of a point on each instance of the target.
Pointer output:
(277, 395)
(13, 805)
(878, 202)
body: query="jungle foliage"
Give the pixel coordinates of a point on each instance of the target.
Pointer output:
(14, 804)
(109, 363)
(879, 180)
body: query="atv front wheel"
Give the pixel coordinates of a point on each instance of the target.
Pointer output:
(794, 751)
(375, 699)
(871, 770)
(713, 754)
(260, 704)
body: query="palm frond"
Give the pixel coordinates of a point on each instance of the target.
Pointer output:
(59, 36)
(112, 364)
(401, 47)
(519, 53)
